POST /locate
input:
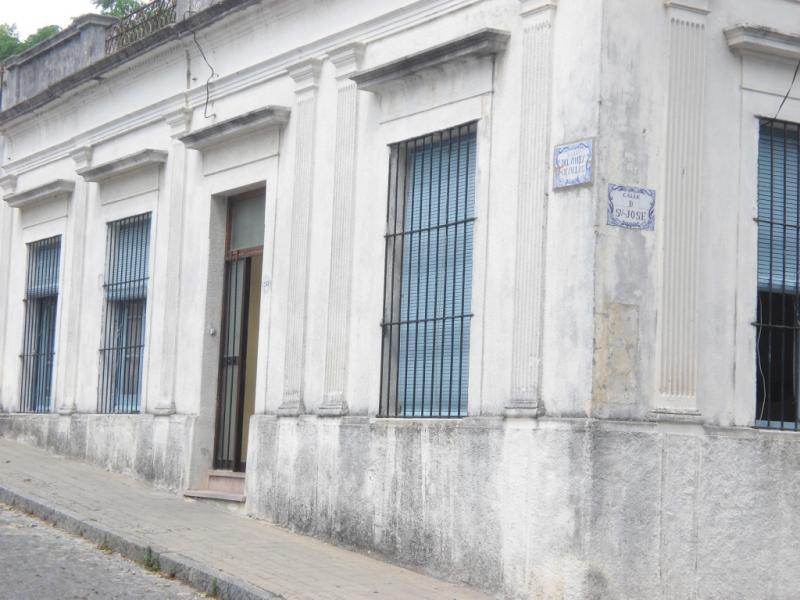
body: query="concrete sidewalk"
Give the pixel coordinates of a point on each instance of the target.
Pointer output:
(213, 549)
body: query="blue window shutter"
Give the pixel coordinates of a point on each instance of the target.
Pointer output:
(128, 271)
(778, 215)
(43, 268)
(436, 280)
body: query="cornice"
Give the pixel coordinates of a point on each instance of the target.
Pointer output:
(401, 19)
(484, 42)
(757, 39)
(39, 158)
(43, 193)
(380, 27)
(123, 165)
(271, 116)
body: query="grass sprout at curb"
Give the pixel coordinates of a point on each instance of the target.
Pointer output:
(151, 560)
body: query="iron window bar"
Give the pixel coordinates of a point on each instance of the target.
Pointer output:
(140, 24)
(426, 319)
(39, 332)
(232, 367)
(778, 297)
(125, 287)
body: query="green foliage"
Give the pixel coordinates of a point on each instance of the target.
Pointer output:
(117, 8)
(40, 35)
(11, 44)
(151, 562)
(9, 40)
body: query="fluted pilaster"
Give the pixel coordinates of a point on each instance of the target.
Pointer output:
(8, 184)
(178, 122)
(526, 361)
(347, 61)
(306, 76)
(677, 319)
(82, 157)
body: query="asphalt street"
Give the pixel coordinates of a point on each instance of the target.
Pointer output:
(40, 562)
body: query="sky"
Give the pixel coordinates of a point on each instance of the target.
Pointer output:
(29, 15)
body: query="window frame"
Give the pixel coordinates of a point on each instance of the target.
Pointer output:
(767, 322)
(118, 299)
(36, 301)
(400, 152)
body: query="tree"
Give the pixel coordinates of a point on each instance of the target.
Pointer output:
(11, 44)
(39, 35)
(9, 40)
(117, 8)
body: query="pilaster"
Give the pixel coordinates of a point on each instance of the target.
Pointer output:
(74, 270)
(8, 184)
(306, 77)
(526, 357)
(676, 394)
(347, 61)
(179, 122)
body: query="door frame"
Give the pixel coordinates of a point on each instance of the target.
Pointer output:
(230, 257)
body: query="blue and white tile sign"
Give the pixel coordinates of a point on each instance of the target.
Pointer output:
(573, 164)
(631, 207)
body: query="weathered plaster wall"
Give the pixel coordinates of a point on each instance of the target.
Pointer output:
(551, 509)
(143, 446)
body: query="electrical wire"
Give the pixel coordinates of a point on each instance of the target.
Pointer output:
(211, 76)
(789, 91)
(208, 64)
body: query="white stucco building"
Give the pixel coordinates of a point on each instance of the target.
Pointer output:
(325, 244)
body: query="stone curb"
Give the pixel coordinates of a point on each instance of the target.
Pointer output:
(202, 577)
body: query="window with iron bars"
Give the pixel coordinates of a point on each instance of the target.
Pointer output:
(778, 307)
(428, 275)
(121, 355)
(38, 344)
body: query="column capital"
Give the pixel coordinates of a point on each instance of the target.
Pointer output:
(8, 184)
(82, 157)
(698, 7)
(305, 74)
(531, 7)
(179, 122)
(347, 59)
